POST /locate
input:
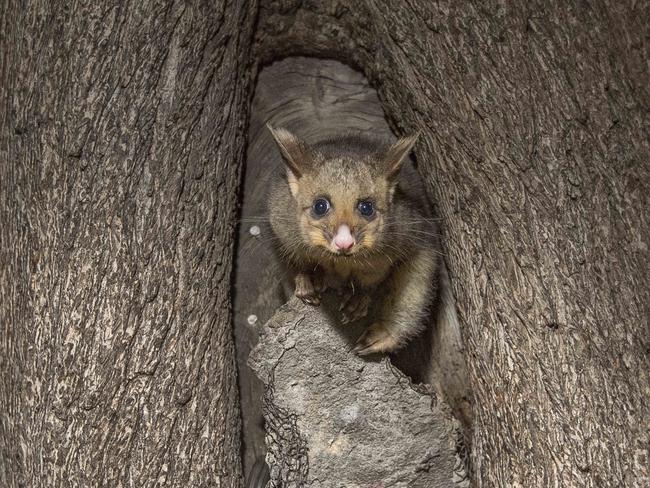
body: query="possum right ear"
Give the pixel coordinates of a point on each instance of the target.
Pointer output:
(296, 155)
(294, 151)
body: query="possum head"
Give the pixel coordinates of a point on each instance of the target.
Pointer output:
(342, 189)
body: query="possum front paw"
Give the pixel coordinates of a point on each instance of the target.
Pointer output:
(308, 289)
(377, 339)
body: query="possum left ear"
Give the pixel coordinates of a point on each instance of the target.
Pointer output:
(397, 154)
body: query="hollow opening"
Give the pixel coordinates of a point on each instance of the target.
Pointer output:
(314, 98)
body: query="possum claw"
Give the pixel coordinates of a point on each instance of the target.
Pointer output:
(377, 339)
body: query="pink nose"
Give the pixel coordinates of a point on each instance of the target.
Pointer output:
(343, 239)
(344, 244)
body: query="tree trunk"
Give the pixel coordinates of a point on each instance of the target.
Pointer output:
(535, 146)
(122, 135)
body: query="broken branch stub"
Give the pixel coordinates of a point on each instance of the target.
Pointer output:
(335, 419)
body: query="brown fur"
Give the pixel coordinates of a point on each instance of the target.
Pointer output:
(396, 248)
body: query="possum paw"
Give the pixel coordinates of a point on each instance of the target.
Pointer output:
(377, 339)
(307, 290)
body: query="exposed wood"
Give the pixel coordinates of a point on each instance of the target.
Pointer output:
(535, 145)
(335, 419)
(122, 138)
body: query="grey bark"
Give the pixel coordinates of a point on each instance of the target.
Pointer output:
(334, 419)
(122, 133)
(535, 145)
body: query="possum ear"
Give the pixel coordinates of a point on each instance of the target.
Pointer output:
(296, 153)
(397, 154)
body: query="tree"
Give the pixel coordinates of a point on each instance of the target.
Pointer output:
(122, 133)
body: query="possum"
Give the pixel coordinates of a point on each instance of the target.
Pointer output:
(352, 214)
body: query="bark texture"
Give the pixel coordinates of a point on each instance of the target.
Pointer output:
(121, 131)
(122, 135)
(535, 145)
(334, 419)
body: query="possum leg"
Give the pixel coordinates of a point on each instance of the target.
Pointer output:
(355, 307)
(405, 307)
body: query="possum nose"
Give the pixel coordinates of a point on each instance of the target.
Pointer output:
(343, 239)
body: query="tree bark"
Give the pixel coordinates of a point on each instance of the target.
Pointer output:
(122, 137)
(535, 123)
(121, 134)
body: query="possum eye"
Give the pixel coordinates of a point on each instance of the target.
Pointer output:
(366, 208)
(320, 207)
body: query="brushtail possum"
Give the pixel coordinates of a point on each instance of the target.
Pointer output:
(352, 214)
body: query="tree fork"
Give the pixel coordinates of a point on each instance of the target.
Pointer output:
(121, 137)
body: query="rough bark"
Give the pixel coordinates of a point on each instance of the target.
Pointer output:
(334, 419)
(535, 124)
(121, 128)
(122, 136)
